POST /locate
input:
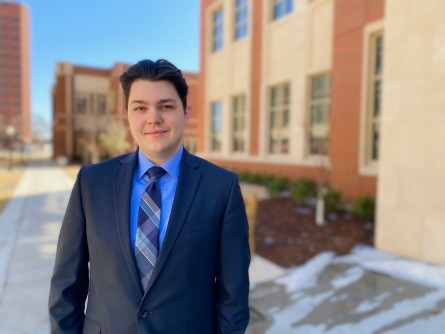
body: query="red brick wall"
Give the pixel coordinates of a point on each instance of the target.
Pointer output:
(15, 70)
(257, 42)
(61, 124)
(290, 171)
(350, 17)
(191, 130)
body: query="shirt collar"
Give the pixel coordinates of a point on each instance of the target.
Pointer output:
(171, 166)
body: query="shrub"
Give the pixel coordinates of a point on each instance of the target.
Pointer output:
(364, 208)
(259, 179)
(302, 189)
(244, 176)
(332, 199)
(276, 184)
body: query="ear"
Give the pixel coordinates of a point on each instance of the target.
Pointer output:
(187, 113)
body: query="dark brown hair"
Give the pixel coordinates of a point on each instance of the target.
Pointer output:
(158, 70)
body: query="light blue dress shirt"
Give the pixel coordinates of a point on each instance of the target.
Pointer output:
(167, 184)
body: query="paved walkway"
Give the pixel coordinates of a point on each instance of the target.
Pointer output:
(323, 296)
(29, 227)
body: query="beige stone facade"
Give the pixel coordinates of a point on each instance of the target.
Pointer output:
(295, 47)
(411, 181)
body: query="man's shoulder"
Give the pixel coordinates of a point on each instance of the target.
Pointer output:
(107, 165)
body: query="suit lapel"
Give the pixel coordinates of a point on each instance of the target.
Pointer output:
(122, 178)
(188, 180)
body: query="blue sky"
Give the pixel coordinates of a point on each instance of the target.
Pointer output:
(102, 32)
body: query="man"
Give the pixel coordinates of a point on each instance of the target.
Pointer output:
(183, 270)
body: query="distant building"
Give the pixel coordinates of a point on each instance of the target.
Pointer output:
(15, 107)
(89, 105)
(349, 89)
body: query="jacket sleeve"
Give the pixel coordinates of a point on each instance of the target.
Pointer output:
(232, 281)
(69, 283)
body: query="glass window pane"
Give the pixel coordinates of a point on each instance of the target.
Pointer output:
(375, 142)
(285, 118)
(289, 5)
(278, 12)
(217, 30)
(273, 120)
(320, 86)
(273, 97)
(284, 146)
(286, 94)
(379, 54)
(377, 98)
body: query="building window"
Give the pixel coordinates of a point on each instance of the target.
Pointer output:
(191, 145)
(217, 30)
(81, 103)
(239, 124)
(319, 114)
(281, 8)
(374, 98)
(240, 19)
(279, 104)
(101, 101)
(216, 126)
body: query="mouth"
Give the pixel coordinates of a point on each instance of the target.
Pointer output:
(155, 133)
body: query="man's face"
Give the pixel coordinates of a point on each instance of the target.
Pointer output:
(157, 118)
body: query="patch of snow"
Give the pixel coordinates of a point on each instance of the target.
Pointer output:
(395, 266)
(432, 324)
(269, 240)
(303, 210)
(285, 320)
(339, 298)
(371, 305)
(404, 309)
(306, 275)
(349, 277)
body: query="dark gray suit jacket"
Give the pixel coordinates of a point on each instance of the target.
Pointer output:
(200, 283)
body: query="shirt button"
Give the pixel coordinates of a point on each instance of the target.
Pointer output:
(143, 314)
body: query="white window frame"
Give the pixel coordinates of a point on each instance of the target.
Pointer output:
(239, 123)
(368, 167)
(278, 119)
(325, 101)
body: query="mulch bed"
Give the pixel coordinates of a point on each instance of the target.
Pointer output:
(286, 233)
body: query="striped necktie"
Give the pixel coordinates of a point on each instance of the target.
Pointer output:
(147, 232)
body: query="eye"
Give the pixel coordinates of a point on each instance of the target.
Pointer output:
(166, 107)
(139, 108)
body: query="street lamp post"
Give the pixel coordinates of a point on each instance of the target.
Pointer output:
(10, 132)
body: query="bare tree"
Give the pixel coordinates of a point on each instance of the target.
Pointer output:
(114, 140)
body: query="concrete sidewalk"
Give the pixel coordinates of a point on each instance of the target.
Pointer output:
(29, 228)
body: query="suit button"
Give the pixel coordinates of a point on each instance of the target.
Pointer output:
(143, 314)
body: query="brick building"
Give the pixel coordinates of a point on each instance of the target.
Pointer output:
(14, 72)
(351, 89)
(284, 91)
(89, 105)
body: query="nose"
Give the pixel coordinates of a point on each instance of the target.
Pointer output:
(154, 116)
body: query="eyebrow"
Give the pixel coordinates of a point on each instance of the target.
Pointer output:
(167, 100)
(160, 101)
(138, 101)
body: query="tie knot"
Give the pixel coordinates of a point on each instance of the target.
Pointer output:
(155, 172)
